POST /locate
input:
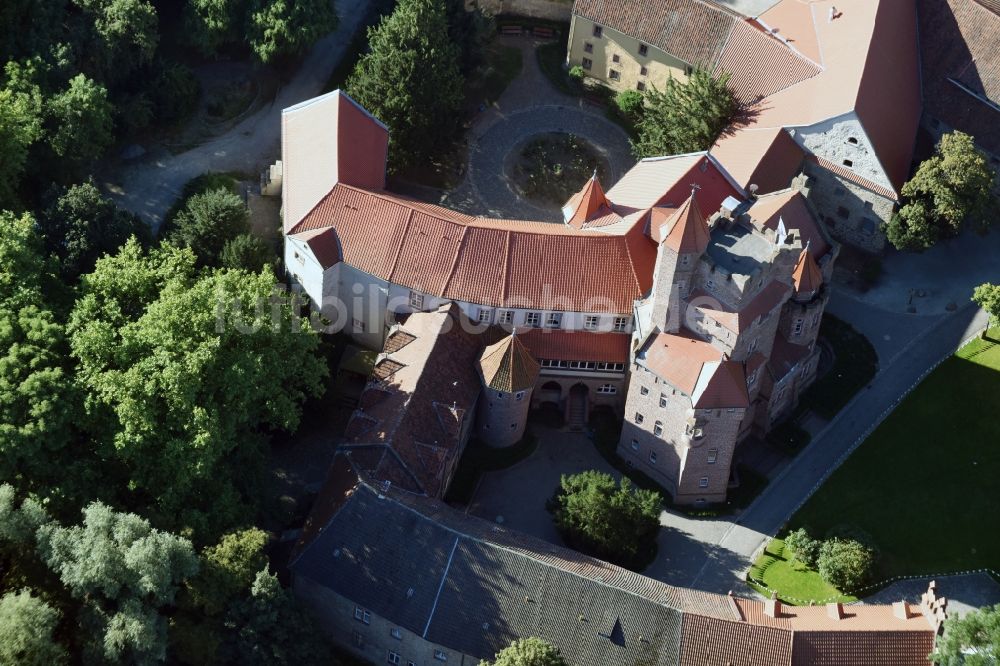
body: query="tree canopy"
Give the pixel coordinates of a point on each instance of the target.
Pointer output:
(605, 519)
(684, 117)
(950, 188)
(970, 640)
(208, 221)
(527, 652)
(279, 28)
(20, 127)
(27, 625)
(411, 80)
(987, 296)
(80, 118)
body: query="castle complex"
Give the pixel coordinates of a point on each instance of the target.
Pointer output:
(687, 298)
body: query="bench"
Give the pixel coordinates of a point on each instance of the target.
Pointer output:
(511, 30)
(544, 32)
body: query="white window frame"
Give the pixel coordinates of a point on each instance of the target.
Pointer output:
(533, 319)
(393, 658)
(396, 633)
(591, 322)
(663, 400)
(607, 389)
(359, 325)
(703, 482)
(440, 655)
(519, 396)
(416, 300)
(485, 316)
(621, 324)
(553, 320)
(362, 615)
(643, 390)
(505, 316)
(713, 456)
(639, 418)
(658, 428)
(797, 327)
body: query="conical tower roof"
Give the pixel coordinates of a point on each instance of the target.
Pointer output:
(508, 366)
(586, 204)
(688, 231)
(806, 276)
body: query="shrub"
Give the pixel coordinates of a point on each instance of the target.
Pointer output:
(630, 103)
(804, 548)
(576, 73)
(208, 221)
(845, 563)
(247, 252)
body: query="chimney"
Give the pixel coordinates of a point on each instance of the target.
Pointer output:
(772, 607)
(901, 609)
(835, 611)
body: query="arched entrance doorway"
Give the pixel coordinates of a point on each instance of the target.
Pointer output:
(550, 392)
(576, 414)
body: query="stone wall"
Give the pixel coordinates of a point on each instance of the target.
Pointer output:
(550, 10)
(851, 213)
(502, 416)
(844, 141)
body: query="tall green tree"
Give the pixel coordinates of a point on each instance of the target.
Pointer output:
(248, 252)
(972, 639)
(208, 221)
(278, 28)
(80, 224)
(228, 569)
(124, 572)
(605, 519)
(80, 124)
(212, 24)
(950, 188)
(27, 631)
(411, 80)
(527, 652)
(685, 117)
(181, 373)
(20, 127)
(987, 296)
(847, 564)
(125, 35)
(28, 27)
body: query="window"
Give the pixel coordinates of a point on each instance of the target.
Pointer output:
(640, 86)
(519, 396)
(621, 324)
(393, 657)
(485, 316)
(753, 346)
(848, 163)
(643, 390)
(587, 63)
(652, 457)
(590, 322)
(513, 426)
(614, 75)
(797, 328)
(607, 389)
(843, 213)
(710, 284)
(440, 655)
(663, 400)
(703, 482)
(416, 300)
(697, 433)
(852, 140)
(361, 615)
(359, 326)
(713, 455)
(638, 417)
(359, 640)
(752, 379)
(643, 71)
(553, 320)
(396, 633)
(643, 49)
(616, 58)
(598, 31)
(300, 259)
(505, 316)
(588, 47)
(533, 319)
(658, 428)
(635, 445)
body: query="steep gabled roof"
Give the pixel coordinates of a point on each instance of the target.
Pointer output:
(721, 384)
(588, 206)
(508, 366)
(806, 276)
(679, 360)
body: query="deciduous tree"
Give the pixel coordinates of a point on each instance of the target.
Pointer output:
(949, 188)
(279, 28)
(527, 652)
(212, 24)
(685, 116)
(411, 79)
(20, 126)
(27, 631)
(80, 124)
(987, 296)
(247, 252)
(125, 32)
(846, 564)
(208, 221)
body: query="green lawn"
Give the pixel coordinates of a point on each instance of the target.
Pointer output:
(794, 583)
(924, 484)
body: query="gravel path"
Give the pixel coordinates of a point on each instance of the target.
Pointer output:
(149, 186)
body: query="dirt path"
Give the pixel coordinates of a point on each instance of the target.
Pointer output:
(149, 186)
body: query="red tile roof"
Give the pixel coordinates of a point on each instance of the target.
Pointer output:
(688, 233)
(760, 64)
(806, 276)
(785, 356)
(679, 359)
(588, 205)
(721, 385)
(508, 366)
(707, 641)
(499, 263)
(790, 207)
(768, 157)
(667, 24)
(559, 345)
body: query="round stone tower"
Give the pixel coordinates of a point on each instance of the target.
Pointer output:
(508, 373)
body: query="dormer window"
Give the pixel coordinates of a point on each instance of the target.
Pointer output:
(848, 163)
(852, 140)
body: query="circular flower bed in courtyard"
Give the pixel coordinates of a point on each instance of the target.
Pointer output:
(548, 169)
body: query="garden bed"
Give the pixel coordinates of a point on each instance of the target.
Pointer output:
(550, 168)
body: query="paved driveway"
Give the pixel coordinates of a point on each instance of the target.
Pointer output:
(149, 186)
